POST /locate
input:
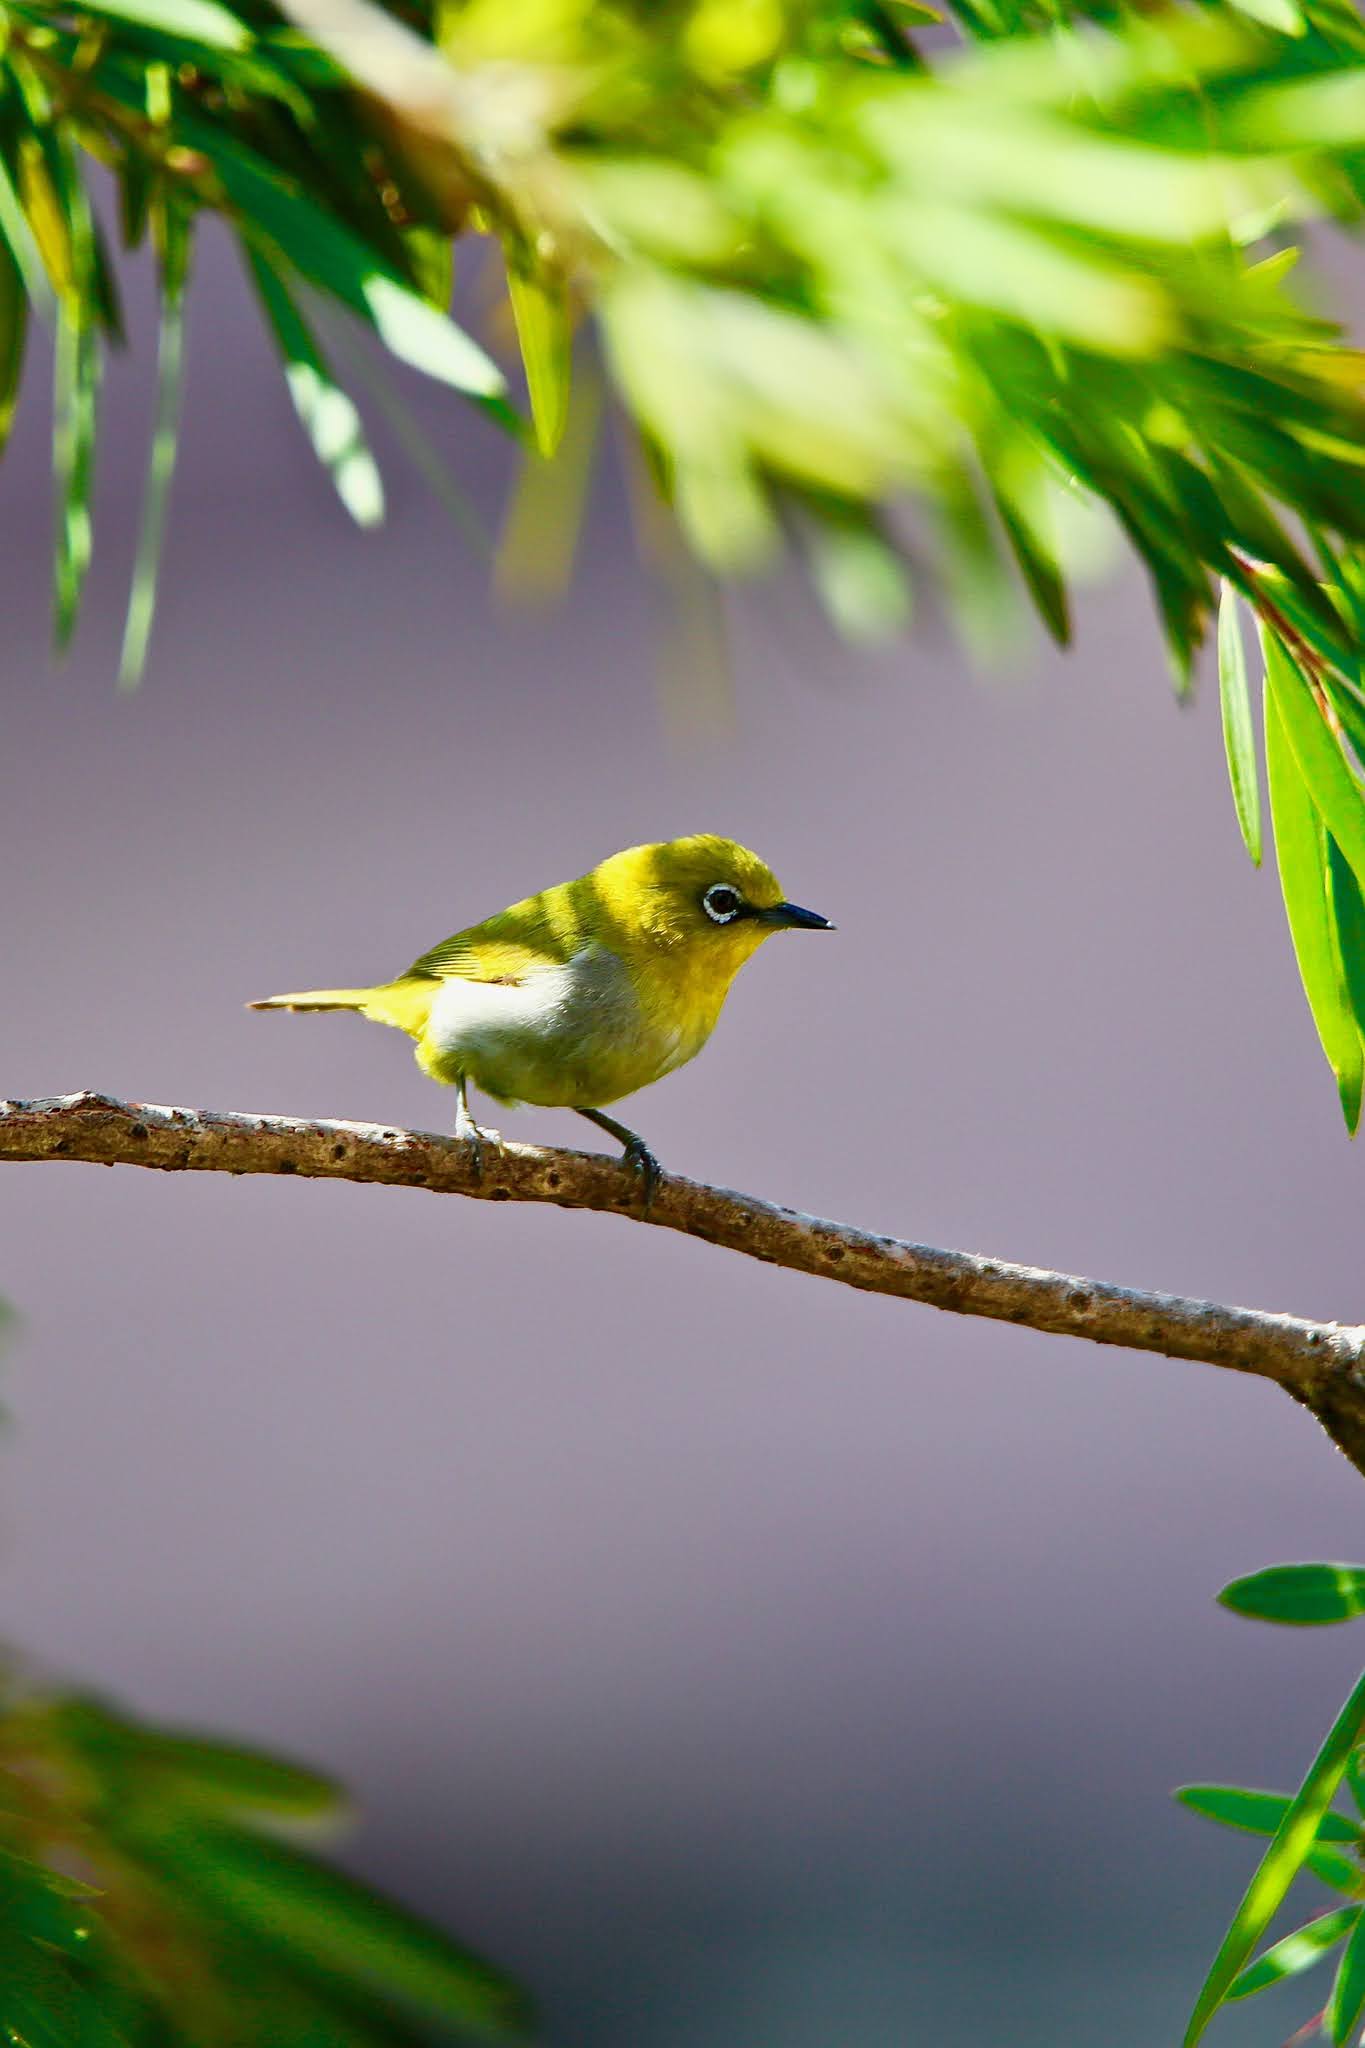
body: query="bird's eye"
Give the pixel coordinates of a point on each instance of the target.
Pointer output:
(721, 903)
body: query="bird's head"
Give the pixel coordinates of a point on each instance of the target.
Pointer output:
(707, 895)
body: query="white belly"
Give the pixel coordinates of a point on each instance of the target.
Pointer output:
(549, 1038)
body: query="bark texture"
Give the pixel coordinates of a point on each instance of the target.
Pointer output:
(1321, 1365)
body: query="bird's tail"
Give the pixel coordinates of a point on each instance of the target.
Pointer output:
(405, 1004)
(318, 999)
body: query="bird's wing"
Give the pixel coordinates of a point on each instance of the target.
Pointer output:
(509, 948)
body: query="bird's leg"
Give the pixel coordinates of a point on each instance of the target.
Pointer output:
(467, 1132)
(637, 1153)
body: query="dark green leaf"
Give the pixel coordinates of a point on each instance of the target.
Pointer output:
(1298, 1951)
(1331, 1867)
(1282, 1861)
(1301, 1595)
(1301, 856)
(1259, 1813)
(321, 249)
(1238, 738)
(1347, 2002)
(329, 1923)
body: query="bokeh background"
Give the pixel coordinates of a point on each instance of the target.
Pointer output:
(736, 1659)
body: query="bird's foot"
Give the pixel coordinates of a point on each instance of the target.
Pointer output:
(479, 1141)
(638, 1155)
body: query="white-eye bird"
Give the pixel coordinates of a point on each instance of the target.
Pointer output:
(594, 988)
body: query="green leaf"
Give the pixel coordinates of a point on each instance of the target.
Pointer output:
(1331, 1867)
(20, 244)
(1301, 1595)
(1258, 1813)
(858, 575)
(165, 1768)
(1347, 2002)
(42, 2005)
(1283, 15)
(1337, 792)
(170, 384)
(540, 309)
(197, 21)
(1238, 738)
(1301, 856)
(326, 413)
(1348, 911)
(1298, 1951)
(74, 396)
(327, 1922)
(1281, 1863)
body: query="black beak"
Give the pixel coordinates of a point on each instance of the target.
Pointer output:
(792, 916)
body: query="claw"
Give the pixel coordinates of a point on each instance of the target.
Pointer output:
(467, 1132)
(638, 1155)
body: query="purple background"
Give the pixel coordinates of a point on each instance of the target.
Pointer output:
(736, 1658)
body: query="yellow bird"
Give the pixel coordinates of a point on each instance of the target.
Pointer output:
(594, 988)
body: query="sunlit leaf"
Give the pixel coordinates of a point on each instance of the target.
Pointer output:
(1338, 792)
(1301, 857)
(1282, 1860)
(1238, 738)
(1298, 1951)
(545, 337)
(198, 21)
(326, 413)
(1347, 2002)
(74, 398)
(1299, 1594)
(165, 429)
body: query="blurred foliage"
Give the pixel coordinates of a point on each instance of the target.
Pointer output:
(931, 300)
(147, 1900)
(1308, 1835)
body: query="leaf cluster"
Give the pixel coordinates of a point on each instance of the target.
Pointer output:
(1307, 1833)
(149, 1898)
(931, 300)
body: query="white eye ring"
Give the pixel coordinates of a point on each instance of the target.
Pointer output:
(721, 903)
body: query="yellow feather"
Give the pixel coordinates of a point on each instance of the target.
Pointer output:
(589, 990)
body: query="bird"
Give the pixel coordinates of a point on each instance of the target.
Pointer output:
(583, 994)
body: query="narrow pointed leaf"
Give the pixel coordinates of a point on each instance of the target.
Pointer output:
(1301, 1595)
(75, 387)
(1346, 2005)
(19, 239)
(326, 414)
(1281, 1863)
(1258, 1813)
(13, 333)
(1301, 856)
(1298, 1951)
(1348, 912)
(198, 21)
(1331, 1867)
(1238, 736)
(540, 309)
(328, 1923)
(1338, 794)
(170, 382)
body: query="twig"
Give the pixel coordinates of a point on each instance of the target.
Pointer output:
(1321, 1365)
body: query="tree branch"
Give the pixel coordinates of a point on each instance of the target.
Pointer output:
(1321, 1365)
